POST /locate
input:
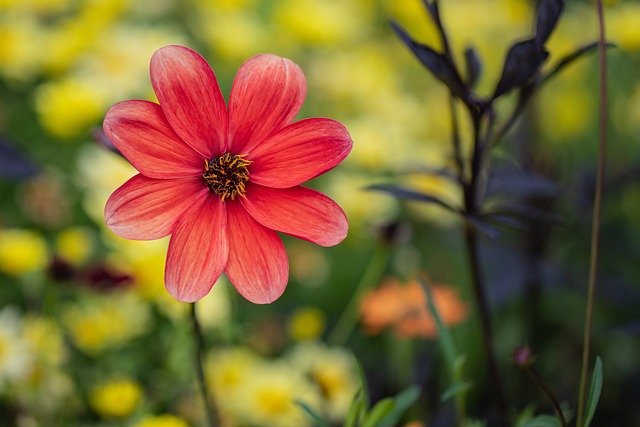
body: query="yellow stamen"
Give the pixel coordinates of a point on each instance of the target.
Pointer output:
(226, 175)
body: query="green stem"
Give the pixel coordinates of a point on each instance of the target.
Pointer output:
(597, 207)
(199, 352)
(372, 276)
(448, 346)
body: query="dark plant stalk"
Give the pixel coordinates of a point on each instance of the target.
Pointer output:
(209, 405)
(455, 139)
(597, 208)
(471, 210)
(536, 378)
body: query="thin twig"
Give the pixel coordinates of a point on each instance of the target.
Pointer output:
(198, 359)
(536, 378)
(597, 207)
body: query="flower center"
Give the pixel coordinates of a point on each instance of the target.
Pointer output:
(227, 174)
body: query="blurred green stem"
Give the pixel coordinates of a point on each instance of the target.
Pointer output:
(449, 350)
(209, 405)
(372, 276)
(597, 207)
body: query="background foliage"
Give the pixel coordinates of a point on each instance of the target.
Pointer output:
(88, 335)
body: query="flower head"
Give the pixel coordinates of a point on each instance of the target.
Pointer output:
(403, 307)
(224, 180)
(117, 398)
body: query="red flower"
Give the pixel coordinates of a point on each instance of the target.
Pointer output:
(223, 181)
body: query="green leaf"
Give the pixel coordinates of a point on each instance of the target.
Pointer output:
(456, 389)
(594, 392)
(444, 335)
(379, 411)
(312, 415)
(403, 401)
(542, 421)
(364, 388)
(356, 411)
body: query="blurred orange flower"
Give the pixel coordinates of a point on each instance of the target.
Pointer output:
(403, 307)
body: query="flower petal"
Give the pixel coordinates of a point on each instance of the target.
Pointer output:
(146, 209)
(258, 266)
(299, 152)
(190, 98)
(140, 131)
(266, 95)
(298, 211)
(198, 251)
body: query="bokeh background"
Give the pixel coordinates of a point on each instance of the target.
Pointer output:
(89, 336)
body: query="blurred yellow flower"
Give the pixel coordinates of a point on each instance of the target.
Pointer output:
(100, 171)
(332, 20)
(228, 370)
(234, 35)
(69, 106)
(22, 251)
(306, 323)
(566, 108)
(75, 244)
(15, 353)
(48, 387)
(116, 398)
(46, 341)
(333, 371)
(361, 206)
(213, 310)
(166, 420)
(96, 323)
(622, 25)
(119, 58)
(268, 397)
(20, 38)
(144, 261)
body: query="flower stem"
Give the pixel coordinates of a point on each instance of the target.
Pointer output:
(199, 351)
(597, 207)
(536, 378)
(485, 319)
(471, 210)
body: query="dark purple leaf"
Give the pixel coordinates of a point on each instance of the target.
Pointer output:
(568, 59)
(13, 163)
(432, 8)
(100, 137)
(548, 13)
(439, 65)
(474, 66)
(483, 227)
(525, 212)
(520, 183)
(503, 219)
(522, 63)
(408, 194)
